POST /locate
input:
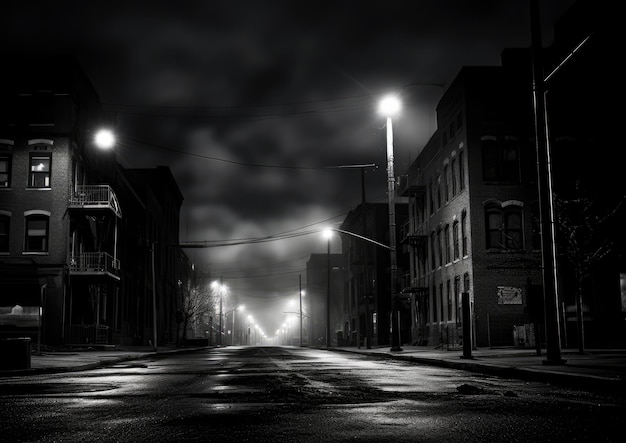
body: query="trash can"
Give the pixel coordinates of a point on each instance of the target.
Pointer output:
(15, 353)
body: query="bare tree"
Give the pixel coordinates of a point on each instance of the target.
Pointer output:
(196, 303)
(581, 226)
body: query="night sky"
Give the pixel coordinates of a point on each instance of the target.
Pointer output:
(252, 103)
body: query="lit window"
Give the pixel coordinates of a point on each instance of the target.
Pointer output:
(39, 171)
(36, 233)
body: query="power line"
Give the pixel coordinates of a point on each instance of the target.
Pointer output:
(248, 164)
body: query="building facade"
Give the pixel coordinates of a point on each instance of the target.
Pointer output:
(474, 219)
(324, 283)
(86, 246)
(59, 215)
(367, 302)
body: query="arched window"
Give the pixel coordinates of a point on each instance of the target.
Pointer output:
(455, 240)
(504, 227)
(37, 231)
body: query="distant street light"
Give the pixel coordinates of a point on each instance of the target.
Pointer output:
(389, 107)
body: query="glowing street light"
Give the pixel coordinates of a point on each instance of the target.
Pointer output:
(389, 107)
(104, 139)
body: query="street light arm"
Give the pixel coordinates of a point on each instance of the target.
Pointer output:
(382, 245)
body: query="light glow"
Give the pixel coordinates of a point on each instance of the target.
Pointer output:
(105, 139)
(389, 106)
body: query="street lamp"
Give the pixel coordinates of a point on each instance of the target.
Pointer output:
(328, 233)
(234, 311)
(219, 286)
(389, 107)
(104, 139)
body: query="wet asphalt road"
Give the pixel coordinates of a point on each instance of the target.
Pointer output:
(290, 394)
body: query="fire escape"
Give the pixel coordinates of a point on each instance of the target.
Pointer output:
(94, 268)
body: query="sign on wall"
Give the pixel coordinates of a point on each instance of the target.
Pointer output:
(508, 295)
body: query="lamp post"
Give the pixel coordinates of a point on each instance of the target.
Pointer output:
(248, 337)
(234, 312)
(300, 297)
(219, 286)
(389, 107)
(546, 210)
(328, 233)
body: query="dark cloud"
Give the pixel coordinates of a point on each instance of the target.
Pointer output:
(238, 97)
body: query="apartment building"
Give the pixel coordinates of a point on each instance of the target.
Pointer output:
(88, 249)
(59, 216)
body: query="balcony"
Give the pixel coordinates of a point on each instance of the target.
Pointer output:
(95, 263)
(95, 197)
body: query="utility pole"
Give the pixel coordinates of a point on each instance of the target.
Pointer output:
(546, 204)
(300, 293)
(221, 305)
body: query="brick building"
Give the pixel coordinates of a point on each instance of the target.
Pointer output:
(77, 231)
(473, 198)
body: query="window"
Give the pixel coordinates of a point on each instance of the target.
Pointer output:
(447, 186)
(461, 171)
(453, 176)
(504, 227)
(439, 248)
(39, 170)
(441, 302)
(455, 240)
(5, 225)
(430, 197)
(36, 233)
(447, 243)
(439, 192)
(5, 170)
(500, 159)
(464, 233)
(457, 298)
(450, 299)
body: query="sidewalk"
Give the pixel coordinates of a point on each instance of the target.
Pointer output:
(605, 368)
(593, 369)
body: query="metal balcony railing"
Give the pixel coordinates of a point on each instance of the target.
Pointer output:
(96, 197)
(95, 263)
